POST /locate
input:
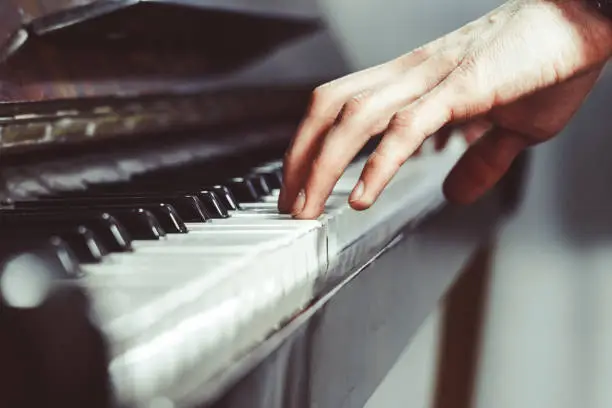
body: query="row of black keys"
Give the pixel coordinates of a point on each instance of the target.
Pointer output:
(87, 226)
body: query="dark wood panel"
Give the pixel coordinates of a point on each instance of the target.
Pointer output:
(36, 9)
(142, 49)
(10, 23)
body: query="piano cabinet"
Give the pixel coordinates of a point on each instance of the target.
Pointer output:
(143, 262)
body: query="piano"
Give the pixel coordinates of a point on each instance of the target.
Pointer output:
(143, 262)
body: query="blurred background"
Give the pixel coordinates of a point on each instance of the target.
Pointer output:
(546, 337)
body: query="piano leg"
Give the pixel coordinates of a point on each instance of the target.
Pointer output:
(461, 333)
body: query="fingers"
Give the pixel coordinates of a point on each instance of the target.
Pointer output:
(451, 100)
(483, 165)
(360, 119)
(326, 104)
(405, 134)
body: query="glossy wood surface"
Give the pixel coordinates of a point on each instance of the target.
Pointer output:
(142, 49)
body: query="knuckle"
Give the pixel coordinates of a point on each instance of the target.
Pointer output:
(322, 98)
(385, 158)
(358, 109)
(379, 126)
(356, 104)
(351, 108)
(321, 93)
(401, 122)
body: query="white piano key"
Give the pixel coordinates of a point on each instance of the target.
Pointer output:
(214, 293)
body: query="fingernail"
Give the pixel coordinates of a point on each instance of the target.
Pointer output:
(298, 206)
(357, 191)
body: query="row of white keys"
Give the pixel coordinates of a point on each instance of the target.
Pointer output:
(220, 289)
(149, 296)
(177, 259)
(257, 228)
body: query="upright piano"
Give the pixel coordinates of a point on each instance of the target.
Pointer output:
(143, 262)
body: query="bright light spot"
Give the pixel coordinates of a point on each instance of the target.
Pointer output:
(25, 281)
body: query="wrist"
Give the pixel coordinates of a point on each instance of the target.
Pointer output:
(592, 22)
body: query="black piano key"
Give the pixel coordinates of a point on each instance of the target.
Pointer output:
(217, 200)
(168, 217)
(85, 244)
(81, 240)
(213, 204)
(113, 234)
(273, 177)
(226, 197)
(186, 207)
(166, 214)
(244, 190)
(260, 184)
(140, 223)
(108, 229)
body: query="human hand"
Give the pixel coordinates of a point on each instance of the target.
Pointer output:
(520, 72)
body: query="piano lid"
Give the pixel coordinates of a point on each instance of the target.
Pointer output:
(254, 26)
(77, 70)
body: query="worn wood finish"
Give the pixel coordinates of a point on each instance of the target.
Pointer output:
(137, 67)
(33, 10)
(170, 49)
(47, 124)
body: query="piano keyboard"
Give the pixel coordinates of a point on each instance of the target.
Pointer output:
(190, 280)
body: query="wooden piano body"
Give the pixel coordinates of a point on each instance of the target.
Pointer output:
(84, 80)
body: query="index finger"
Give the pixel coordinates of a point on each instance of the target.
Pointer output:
(326, 103)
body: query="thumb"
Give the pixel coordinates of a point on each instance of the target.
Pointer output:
(483, 165)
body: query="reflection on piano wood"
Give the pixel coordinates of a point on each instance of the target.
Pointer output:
(143, 262)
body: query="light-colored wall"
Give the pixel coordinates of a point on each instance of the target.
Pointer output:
(548, 334)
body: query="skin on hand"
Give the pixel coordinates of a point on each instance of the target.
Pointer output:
(515, 76)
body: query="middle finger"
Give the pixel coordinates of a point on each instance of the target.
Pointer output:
(362, 118)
